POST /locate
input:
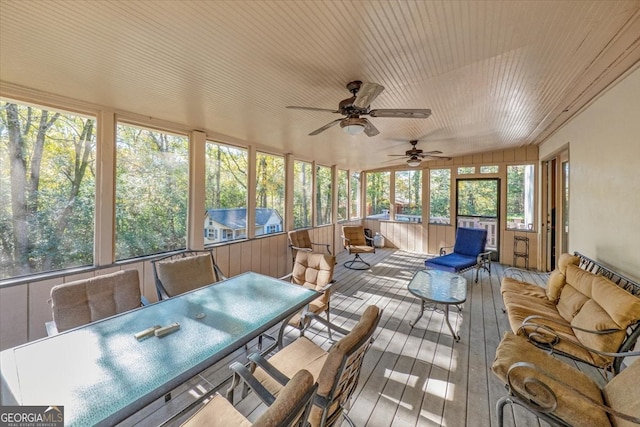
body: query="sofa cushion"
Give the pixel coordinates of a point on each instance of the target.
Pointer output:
(555, 284)
(580, 279)
(571, 408)
(570, 302)
(519, 311)
(452, 263)
(595, 318)
(509, 284)
(566, 259)
(619, 304)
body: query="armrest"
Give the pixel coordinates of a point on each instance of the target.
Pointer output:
(219, 272)
(370, 239)
(301, 249)
(546, 336)
(537, 392)
(309, 315)
(327, 245)
(326, 287)
(514, 272)
(246, 375)
(257, 360)
(442, 250)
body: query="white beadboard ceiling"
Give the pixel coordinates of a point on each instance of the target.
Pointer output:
(497, 74)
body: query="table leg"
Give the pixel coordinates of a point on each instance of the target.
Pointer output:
(446, 318)
(412, 324)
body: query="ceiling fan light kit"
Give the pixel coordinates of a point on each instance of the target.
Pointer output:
(414, 163)
(359, 104)
(353, 125)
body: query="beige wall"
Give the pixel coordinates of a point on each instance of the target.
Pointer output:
(604, 176)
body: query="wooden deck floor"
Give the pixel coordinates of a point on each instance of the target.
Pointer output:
(412, 376)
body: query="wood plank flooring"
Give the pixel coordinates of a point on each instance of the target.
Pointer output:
(411, 376)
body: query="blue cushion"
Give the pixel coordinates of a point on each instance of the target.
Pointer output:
(470, 241)
(452, 263)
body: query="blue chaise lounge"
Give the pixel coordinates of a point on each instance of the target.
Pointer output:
(468, 252)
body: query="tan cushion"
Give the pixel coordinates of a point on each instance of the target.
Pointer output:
(302, 353)
(566, 259)
(622, 394)
(580, 279)
(572, 409)
(185, 274)
(518, 311)
(355, 234)
(84, 301)
(619, 304)
(300, 238)
(509, 284)
(290, 400)
(595, 318)
(570, 302)
(555, 284)
(218, 412)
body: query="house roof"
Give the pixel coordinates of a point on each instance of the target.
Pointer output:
(236, 218)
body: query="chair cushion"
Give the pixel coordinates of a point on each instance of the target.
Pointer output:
(185, 274)
(572, 409)
(452, 263)
(564, 260)
(620, 305)
(570, 302)
(470, 241)
(623, 394)
(300, 238)
(290, 400)
(595, 318)
(84, 301)
(355, 234)
(218, 412)
(302, 353)
(511, 285)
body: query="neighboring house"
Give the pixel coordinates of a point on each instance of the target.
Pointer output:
(221, 225)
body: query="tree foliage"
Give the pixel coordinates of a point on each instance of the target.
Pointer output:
(323, 195)
(48, 187)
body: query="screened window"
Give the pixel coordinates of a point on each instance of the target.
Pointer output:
(408, 195)
(302, 191)
(489, 169)
(520, 187)
(343, 197)
(323, 195)
(440, 196)
(47, 189)
(151, 191)
(465, 170)
(226, 190)
(378, 195)
(270, 182)
(354, 196)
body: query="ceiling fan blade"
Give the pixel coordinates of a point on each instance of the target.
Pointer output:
(295, 107)
(327, 126)
(436, 157)
(366, 94)
(397, 155)
(402, 113)
(370, 129)
(430, 153)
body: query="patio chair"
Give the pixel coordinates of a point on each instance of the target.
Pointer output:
(355, 242)
(313, 271)
(290, 408)
(299, 240)
(84, 301)
(559, 393)
(337, 370)
(184, 271)
(468, 252)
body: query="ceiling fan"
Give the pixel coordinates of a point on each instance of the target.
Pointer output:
(415, 155)
(358, 105)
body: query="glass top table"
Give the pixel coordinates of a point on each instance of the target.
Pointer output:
(102, 374)
(438, 287)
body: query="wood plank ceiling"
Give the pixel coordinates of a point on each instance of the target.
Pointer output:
(497, 74)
